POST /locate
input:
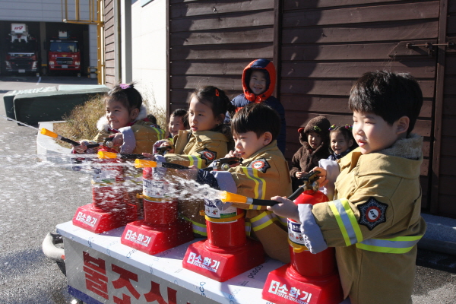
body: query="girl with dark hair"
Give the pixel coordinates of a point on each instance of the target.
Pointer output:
(207, 140)
(127, 122)
(341, 141)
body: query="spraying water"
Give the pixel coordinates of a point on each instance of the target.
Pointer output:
(188, 189)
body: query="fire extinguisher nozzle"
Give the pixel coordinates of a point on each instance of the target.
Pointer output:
(143, 163)
(233, 198)
(106, 155)
(46, 132)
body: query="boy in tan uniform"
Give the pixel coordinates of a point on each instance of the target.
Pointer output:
(375, 221)
(263, 173)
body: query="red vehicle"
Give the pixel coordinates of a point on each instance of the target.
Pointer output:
(64, 54)
(22, 55)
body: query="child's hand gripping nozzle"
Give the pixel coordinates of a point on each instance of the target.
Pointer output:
(314, 275)
(163, 150)
(49, 133)
(310, 183)
(223, 164)
(161, 227)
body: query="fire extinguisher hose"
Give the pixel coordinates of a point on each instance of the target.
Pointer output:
(236, 198)
(49, 133)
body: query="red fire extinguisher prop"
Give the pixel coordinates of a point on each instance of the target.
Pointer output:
(109, 208)
(309, 278)
(227, 252)
(161, 229)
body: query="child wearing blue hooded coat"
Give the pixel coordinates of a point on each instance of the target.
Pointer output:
(258, 83)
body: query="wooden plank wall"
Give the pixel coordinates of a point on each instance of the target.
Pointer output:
(324, 46)
(328, 44)
(212, 41)
(109, 33)
(447, 189)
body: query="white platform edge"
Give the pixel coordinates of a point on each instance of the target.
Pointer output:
(168, 265)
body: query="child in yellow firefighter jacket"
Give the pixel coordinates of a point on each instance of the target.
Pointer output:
(126, 121)
(207, 140)
(374, 223)
(263, 173)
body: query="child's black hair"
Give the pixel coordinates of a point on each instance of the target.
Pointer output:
(346, 133)
(152, 119)
(388, 95)
(127, 95)
(214, 98)
(258, 118)
(183, 114)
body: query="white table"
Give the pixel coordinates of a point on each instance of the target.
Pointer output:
(102, 270)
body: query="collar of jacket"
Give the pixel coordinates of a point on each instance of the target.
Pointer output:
(103, 124)
(205, 136)
(396, 160)
(267, 149)
(335, 156)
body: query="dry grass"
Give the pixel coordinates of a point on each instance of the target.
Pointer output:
(154, 108)
(82, 121)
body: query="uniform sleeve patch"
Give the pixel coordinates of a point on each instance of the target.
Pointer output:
(208, 155)
(372, 213)
(260, 164)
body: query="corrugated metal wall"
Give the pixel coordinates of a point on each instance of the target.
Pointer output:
(212, 41)
(323, 47)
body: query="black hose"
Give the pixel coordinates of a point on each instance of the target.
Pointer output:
(131, 156)
(174, 166)
(308, 177)
(74, 143)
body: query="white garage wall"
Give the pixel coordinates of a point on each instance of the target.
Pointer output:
(93, 45)
(149, 50)
(48, 11)
(38, 10)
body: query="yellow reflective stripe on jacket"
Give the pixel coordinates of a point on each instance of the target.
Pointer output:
(255, 207)
(197, 228)
(260, 184)
(160, 133)
(400, 244)
(248, 228)
(283, 221)
(263, 220)
(195, 161)
(347, 221)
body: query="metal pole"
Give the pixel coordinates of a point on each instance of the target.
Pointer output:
(66, 10)
(100, 36)
(91, 10)
(76, 9)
